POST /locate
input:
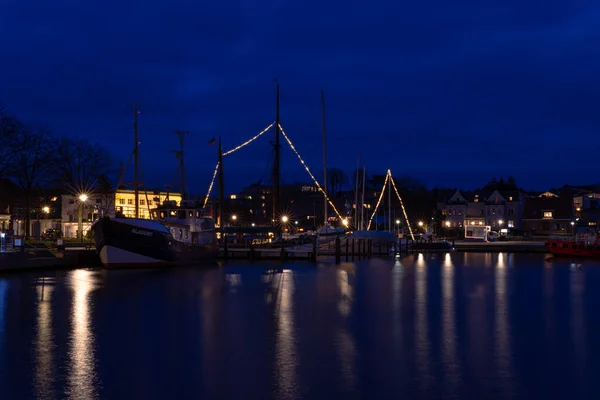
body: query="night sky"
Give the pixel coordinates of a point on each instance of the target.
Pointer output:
(452, 93)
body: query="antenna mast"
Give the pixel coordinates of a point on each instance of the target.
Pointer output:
(179, 155)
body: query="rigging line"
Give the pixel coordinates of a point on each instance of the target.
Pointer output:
(310, 173)
(402, 206)
(247, 142)
(378, 201)
(212, 183)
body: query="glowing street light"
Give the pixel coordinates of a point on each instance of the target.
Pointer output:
(345, 222)
(46, 210)
(397, 222)
(420, 223)
(500, 222)
(82, 199)
(253, 224)
(233, 217)
(296, 222)
(284, 219)
(447, 224)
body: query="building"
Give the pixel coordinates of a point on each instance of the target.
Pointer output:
(587, 209)
(95, 205)
(549, 214)
(498, 209)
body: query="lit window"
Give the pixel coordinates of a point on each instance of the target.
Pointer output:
(142, 202)
(547, 214)
(511, 224)
(130, 201)
(233, 196)
(121, 201)
(510, 198)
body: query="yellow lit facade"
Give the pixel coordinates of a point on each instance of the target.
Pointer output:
(125, 201)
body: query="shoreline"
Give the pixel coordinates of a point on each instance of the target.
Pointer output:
(21, 261)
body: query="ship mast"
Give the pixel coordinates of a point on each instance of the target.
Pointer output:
(136, 156)
(221, 191)
(323, 132)
(276, 165)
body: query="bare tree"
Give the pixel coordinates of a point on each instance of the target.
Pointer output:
(32, 160)
(9, 126)
(79, 164)
(105, 189)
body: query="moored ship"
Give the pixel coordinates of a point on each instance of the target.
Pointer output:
(177, 235)
(582, 245)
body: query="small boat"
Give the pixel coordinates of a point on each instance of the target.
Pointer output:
(582, 245)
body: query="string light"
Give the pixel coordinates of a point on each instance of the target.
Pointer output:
(212, 182)
(378, 201)
(247, 142)
(402, 206)
(309, 173)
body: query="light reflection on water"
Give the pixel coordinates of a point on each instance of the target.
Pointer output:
(286, 358)
(45, 373)
(450, 360)
(425, 326)
(82, 379)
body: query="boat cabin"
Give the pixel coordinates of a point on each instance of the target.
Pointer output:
(188, 223)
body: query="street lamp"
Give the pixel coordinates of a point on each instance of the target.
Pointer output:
(284, 219)
(345, 222)
(233, 217)
(46, 210)
(82, 199)
(573, 227)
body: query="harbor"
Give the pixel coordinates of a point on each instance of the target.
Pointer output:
(281, 328)
(336, 251)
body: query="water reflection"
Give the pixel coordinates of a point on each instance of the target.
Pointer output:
(579, 344)
(503, 349)
(82, 379)
(345, 342)
(3, 292)
(422, 346)
(286, 359)
(451, 362)
(345, 301)
(44, 341)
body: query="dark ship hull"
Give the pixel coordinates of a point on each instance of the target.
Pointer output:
(139, 243)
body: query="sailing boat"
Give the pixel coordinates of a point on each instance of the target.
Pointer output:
(177, 234)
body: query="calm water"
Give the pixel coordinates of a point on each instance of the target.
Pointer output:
(435, 326)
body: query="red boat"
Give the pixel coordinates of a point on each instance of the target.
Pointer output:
(582, 245)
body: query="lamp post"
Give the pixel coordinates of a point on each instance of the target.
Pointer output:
(82, 199)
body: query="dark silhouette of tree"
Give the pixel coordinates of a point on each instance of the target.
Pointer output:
(80, 163)
(336, 179)
(33, 157)
(105, 189)
(9, 126)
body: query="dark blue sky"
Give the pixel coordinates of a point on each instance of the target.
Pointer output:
(452, 93)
